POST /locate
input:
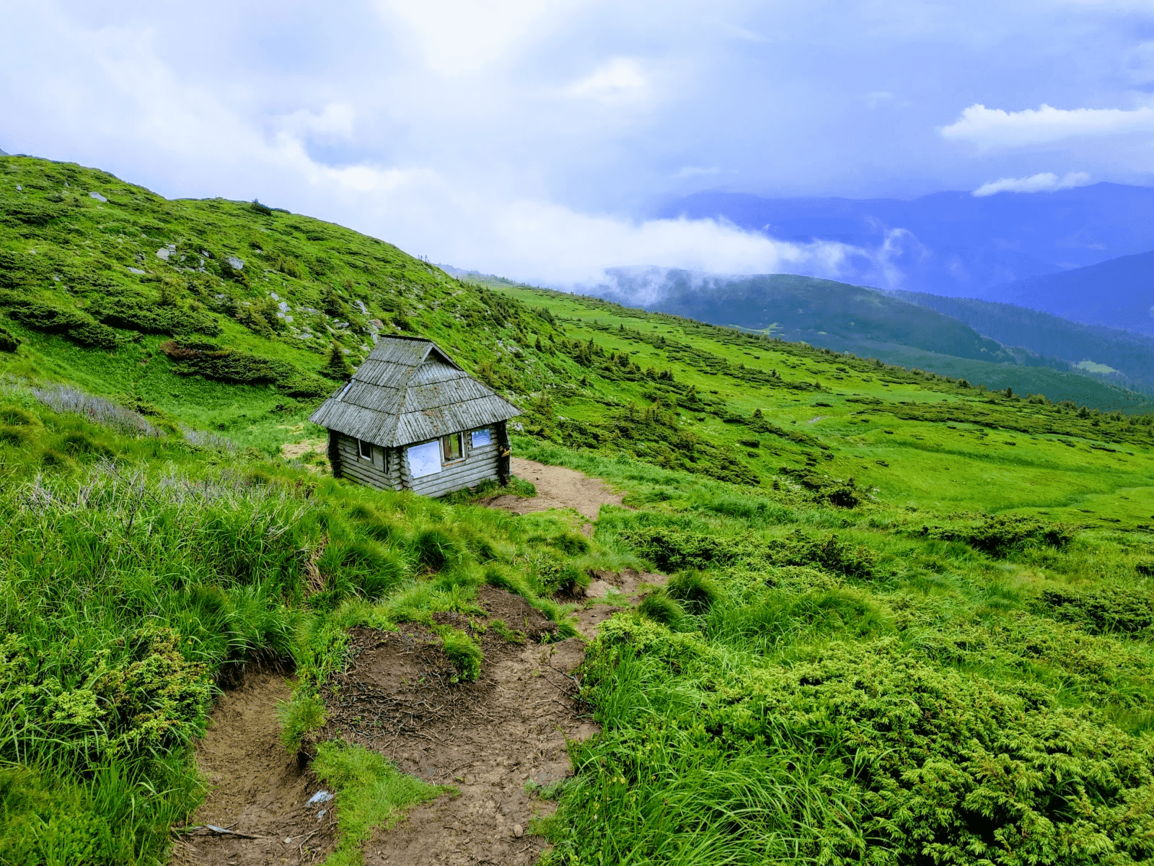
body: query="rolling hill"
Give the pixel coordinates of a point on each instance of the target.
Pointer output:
(908, 618)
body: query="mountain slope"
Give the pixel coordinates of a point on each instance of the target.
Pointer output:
(867, 323)
(877, 575)
(951, 243)
(1118, 293)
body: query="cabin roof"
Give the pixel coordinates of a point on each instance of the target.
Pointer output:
(408, 390)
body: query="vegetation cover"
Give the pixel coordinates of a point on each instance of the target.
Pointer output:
(909, 620)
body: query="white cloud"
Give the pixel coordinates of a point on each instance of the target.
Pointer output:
(335, 120)
(992, 128)
(616, 80)
(690, 172)
(1045, 181)
(458, 37)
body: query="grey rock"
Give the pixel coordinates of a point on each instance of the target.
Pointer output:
(97, 196)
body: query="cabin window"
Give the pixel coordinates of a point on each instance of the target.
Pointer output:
(366, 449)
(482, 437)
(452, 447)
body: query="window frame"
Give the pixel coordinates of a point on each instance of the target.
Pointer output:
(446, 456)
(364, 446)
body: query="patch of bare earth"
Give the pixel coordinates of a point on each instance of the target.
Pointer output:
(557, 487)
(304, 450)
(489, 739)
(258, 793)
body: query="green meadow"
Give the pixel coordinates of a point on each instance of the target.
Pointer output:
(909, 620)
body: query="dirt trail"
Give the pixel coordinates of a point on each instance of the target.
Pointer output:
(258, 791)
(496, 741)
(557, 487)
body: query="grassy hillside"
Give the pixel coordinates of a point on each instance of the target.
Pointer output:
(893, 327)
(910, 620)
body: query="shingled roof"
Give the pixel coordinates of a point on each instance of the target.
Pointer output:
(408, 390)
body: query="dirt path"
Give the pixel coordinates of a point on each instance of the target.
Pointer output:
(497, 741)
(258, 791)
(557, 487)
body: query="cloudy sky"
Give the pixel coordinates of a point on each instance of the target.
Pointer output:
(534, 138)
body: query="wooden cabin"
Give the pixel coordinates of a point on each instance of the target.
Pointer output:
(411, 419)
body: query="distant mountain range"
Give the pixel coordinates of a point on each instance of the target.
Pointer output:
(954, 243)
(997, 345)
(1118, 293)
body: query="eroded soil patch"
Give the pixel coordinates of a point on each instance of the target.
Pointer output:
(257, 790)
(557, 487)
(491, 739)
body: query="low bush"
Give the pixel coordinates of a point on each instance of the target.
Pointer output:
(9, 342)
(1102, 609)
(1000, 535)
(673, 548)
(828, 552)
(230, 365)
(73, 325)
(144, 317)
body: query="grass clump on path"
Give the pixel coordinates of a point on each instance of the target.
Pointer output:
(371, 794)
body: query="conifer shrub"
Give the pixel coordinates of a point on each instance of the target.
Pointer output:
(73, 325)
(672, 548)
(337, 366)
(230, 365)
(827, 552)
(1104, 609)
(137, 314)
(9, 342)
(1000, 535)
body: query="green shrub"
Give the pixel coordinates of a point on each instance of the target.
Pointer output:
(1000, 535)
(145, 317)
(73, 325)
(671, 548)
(828, 552)
(9, 342)
(558, 577)
(229, 365)
(1100, 610)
